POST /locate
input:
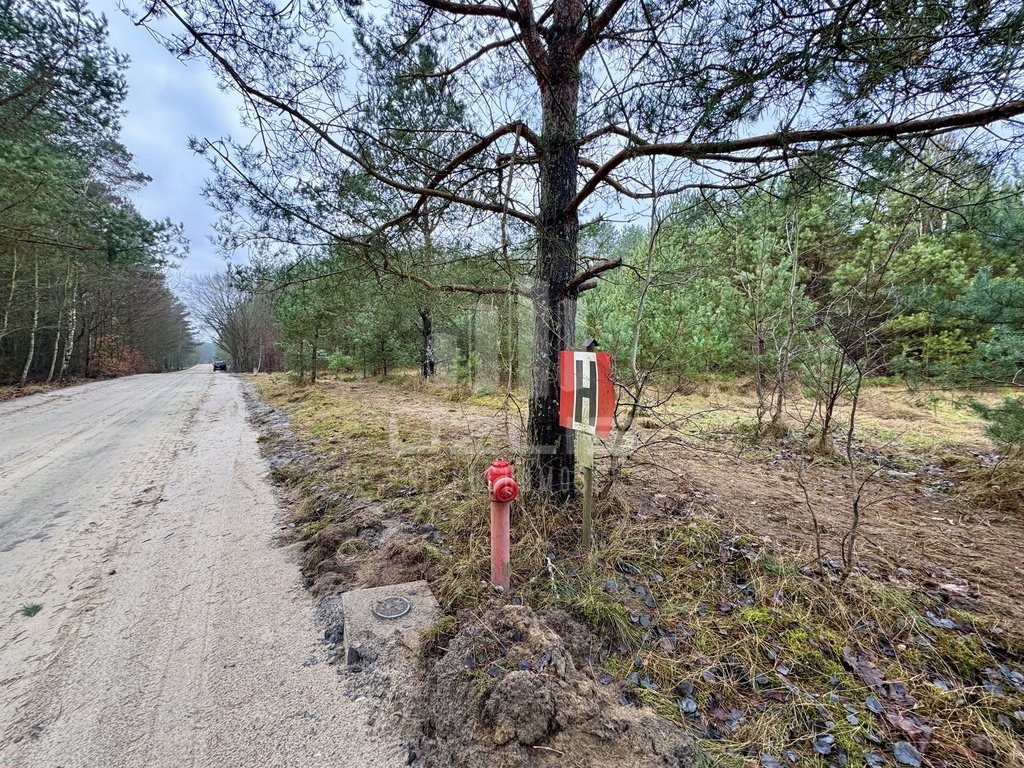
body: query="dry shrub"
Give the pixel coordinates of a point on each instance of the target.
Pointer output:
(1000, 488)
(113, 358)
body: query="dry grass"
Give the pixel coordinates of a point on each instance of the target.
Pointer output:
(13, 391)
(724, 632)
(928, 423)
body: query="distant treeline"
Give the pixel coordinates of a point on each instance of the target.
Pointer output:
(792, 283)
(802, 286)
(83, 289)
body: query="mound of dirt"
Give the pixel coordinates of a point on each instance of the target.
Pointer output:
(403, 556)
(508, 693)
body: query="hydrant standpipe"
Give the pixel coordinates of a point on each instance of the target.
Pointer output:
(503, 490)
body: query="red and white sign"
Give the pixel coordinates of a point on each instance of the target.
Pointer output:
(587, 400)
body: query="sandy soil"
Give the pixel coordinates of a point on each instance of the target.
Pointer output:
(911, 530)
(173, 632)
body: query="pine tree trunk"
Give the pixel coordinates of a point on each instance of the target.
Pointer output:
(508, 342)
(427, 330)
(471, 354)
(35, 328)
(786, 352)
(312, 357)
(426, 320)
(553, 462)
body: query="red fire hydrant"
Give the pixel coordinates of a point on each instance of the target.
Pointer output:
(503, 490)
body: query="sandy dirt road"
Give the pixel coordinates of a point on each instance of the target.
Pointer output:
(173, 632)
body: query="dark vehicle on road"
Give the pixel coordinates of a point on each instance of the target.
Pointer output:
(220, 365)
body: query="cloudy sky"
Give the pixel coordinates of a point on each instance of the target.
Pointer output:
(168, 102)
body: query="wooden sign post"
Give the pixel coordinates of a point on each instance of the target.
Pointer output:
(585, 458)
(586, 406)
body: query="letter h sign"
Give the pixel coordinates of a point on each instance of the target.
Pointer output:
(587, 398)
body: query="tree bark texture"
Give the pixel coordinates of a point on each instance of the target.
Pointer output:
(553, 460)
(69, 344)
(10, 295)
(427, 329)
(35, 328)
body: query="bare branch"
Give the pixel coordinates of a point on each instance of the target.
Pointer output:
(597, 26)
(473, 9)
(477, 54)
(589, 274)
(429, 191)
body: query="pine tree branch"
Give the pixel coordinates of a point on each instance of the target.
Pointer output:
(587, 275)
(473, 9)
(790, 139)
